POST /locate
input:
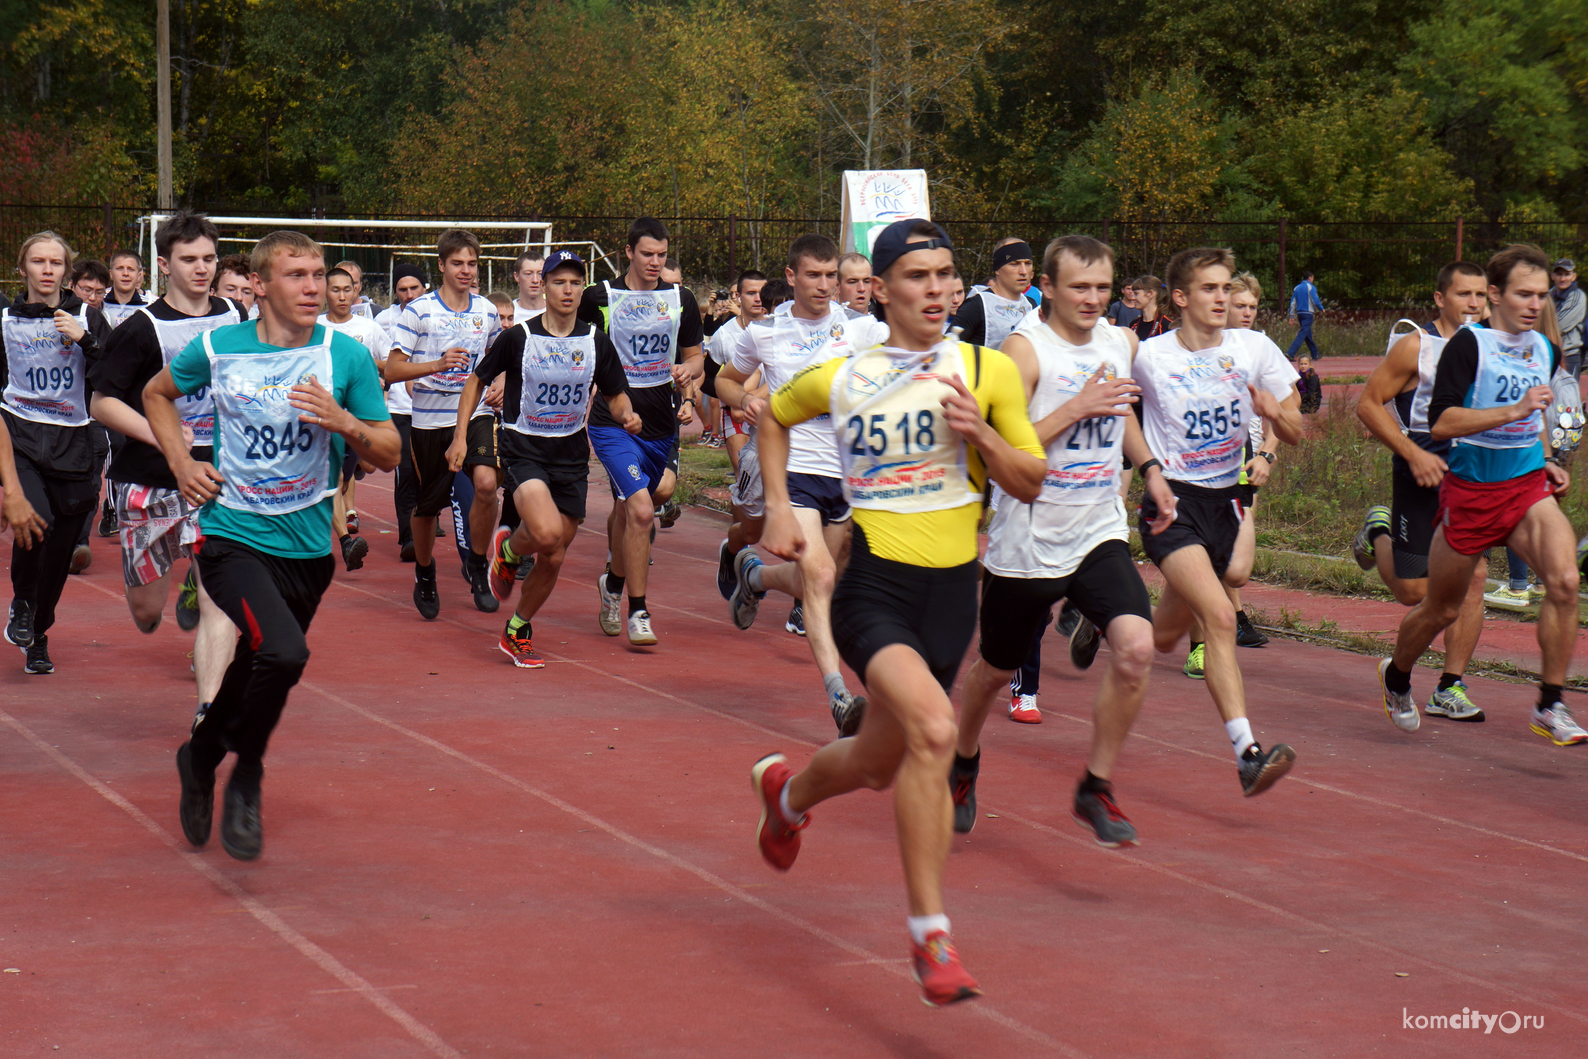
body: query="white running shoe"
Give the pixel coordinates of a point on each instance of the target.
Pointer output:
(1398, 706)
(1557, 725)
(640, 634)
(611, 616)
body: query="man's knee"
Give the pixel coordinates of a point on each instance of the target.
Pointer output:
(1131, 650)
(1220, 620)
(932, 736)
(639, 510)
(1560, 586)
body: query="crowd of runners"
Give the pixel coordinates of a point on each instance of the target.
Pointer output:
(878, 414)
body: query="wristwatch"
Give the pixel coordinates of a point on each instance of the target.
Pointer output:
(1269, 456)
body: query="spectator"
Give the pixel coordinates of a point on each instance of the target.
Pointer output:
(1304, 303)
(1123, 312)
(1570, 304)
(1308, 386)
(1152, 322)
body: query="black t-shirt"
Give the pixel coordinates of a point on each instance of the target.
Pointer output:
(58, 451)
(506, 356)
(130, 358)
(971, 319)
(655, 404)
(1146, 329)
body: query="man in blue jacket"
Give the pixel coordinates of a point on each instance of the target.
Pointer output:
(1304, 302)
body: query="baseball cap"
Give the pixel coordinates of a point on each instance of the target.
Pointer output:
(560, 259)
(1565, 264)
(895, 242)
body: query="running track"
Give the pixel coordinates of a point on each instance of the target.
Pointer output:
(463, 858)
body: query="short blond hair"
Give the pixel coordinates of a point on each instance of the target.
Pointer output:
(294, 243)
(45, 236)
(1246, 283)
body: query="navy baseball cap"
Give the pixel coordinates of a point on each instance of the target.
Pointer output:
(561, 258)
(895, 241)
(1565, 264)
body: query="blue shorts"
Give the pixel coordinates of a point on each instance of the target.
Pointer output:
(819, 493)
(632, 463)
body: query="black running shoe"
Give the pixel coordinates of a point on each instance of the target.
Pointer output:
(38, 663)
(1083, 643)
(962, 782)
(107, 519)
(480, 585)
(1069, 618)
(353, 551)
(187, 608)
(727, 579)
(19, 625)
(426, 598)
(242, 835)
(1096, 811)
(1260, 771)
(1247, 634)
(848, 712)
(669, 514)
(796, 619)
(197, 807)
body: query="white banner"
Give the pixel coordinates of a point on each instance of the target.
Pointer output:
(874, 199)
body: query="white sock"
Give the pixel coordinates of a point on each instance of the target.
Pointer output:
(789, 815)
(921, 926)
(1240, 733)
(754, 578)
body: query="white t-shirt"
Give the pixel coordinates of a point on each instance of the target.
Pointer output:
(720, 346)
(371, 335)
(1196, 407)
(522, 314)
(426, 329)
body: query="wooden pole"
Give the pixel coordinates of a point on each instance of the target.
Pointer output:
(163, 45)
(1460, 233)
(1284, 233)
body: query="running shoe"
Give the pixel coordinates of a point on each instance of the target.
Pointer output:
(779, 841)
(187, 611)
(1193, 663)
(1377, 520)
(1260, 771)
(640, 631)
(669, 514)
(1536, 592)
(82, 559)
(426, 598)
(352, 523)
(242, 834)
(937, 970)
(796, 619)
(1452, 702)
(480, 585)
(962, 786)
(108, 524)
(1398, 705)
(19, 624)
(502, 575)
(1557, 725)
(1083, 643)
(1069, 618)
(1023, 708)
(38, 662)
(848, 711)
(353, 551)
(521, 651)
(611, 615)
(745, 602)
(726, 578)
(1247, 634)
(197, 805)
(1506, 599)
(1096, 812)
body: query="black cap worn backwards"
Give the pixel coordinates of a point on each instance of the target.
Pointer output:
(895, 242)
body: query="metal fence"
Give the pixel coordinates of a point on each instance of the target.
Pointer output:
(1359, 264)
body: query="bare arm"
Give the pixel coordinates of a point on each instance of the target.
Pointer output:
(1464, 422)
(375, 441)
(120, 416)
(15, 511)
(198, 482)
(400, 368)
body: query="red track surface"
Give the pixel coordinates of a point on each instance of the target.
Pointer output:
(466, 858)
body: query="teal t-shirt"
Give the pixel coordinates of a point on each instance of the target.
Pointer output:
(304, 534)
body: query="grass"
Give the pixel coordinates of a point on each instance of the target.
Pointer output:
(1364, 336)
(699, 469)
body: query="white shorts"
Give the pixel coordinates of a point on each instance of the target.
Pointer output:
(747, 492)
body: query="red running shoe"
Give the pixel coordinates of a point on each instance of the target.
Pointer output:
(502, 577)
(943, 979)
(1023, 708)
(519, 649)
(779, 842)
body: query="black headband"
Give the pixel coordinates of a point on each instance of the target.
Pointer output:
(1010, 252)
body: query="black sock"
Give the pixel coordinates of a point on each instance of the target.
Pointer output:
(344, 538)
(1448, 680)
(517, 626)
(1375, 531)
(614, 583)
(636, 604)
(1398, 681)
(1548, 695)
(1091, 784)
(1241, 618)
(425, 573)
(970, 765)
(1195, 644)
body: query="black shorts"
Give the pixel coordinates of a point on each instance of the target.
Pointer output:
(1013, 609)
(1413, 510)
(1210, 518)
(429, 448)
(821, 494)
(568, 482)
(880, 602)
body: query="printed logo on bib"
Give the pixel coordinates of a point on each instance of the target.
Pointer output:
(883, 468)
(46, 372)
(1085, 453)
(270, 459)
(556, 368)
(1212, 420)
(468, 334)
(1505, 373)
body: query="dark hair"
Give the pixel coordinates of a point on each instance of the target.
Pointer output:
(646, 226)
(124, 252)
(748, 273)
(775, 293)
(92, 268)
(815, 246)
(339, 271)
(1184, 266)
(184, 226)
(1518, 255)
(528, 257)
(1307, 274)
(1083, 248)
(236, 263)
(1448, 274)
(454, 239)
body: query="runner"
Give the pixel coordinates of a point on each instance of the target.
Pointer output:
(91, 282)
(362, 306)
(1395, 540)
(854, 282)
(988, 317)
(341, 315)
(232, 282)
(126, 287)
(266, 513)
(158, 526)
(531, 301)
(1491, 388)
(408, 283)
(1199, 384)
(549, 363)
(440, 337)
(719, 349)
(906, 606)
(1072, 543)
(649, 321)
(47, 337)
(816, 330)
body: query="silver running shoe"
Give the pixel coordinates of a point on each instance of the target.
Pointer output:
(1557, 725)
(1453, 703)
(611, 616)
(1398, 707)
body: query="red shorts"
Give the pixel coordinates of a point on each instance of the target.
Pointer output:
(731, 429)
(1480, 515)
